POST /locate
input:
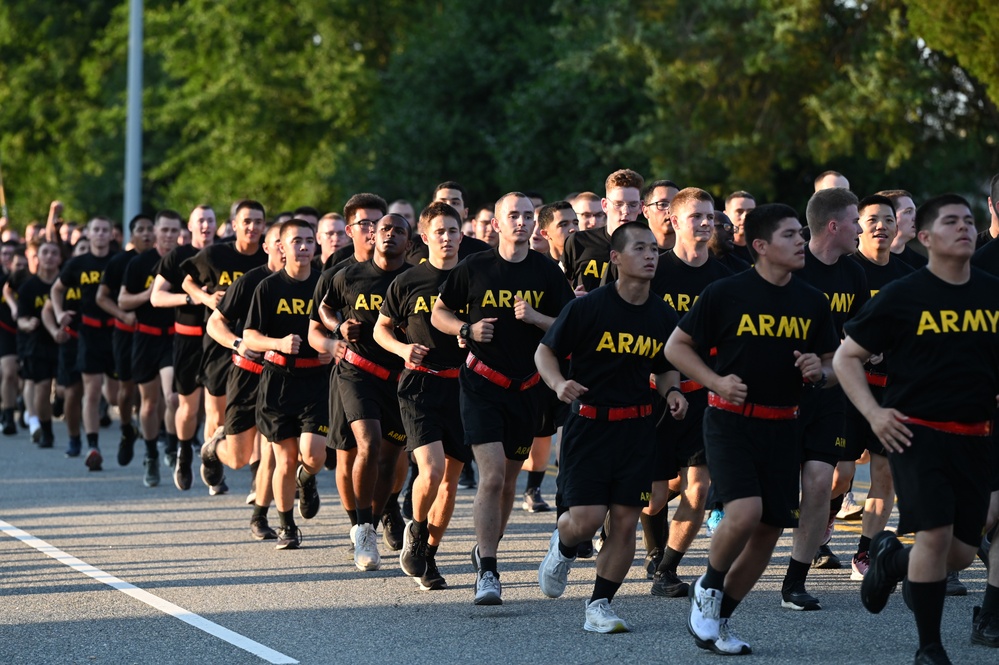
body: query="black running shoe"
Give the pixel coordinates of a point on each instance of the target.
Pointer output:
(308, 495)
(985, 628)
(9, 425)
(666, 584)
(392, 527)
(585, 550)
(152, 477)
(261, 530)
(796, 598)
(466, 480)
(182, 475)
(73, 448)
(126, 446)
(289, 538)
(413, 557)
(824, 558)
(212, 471)
(652, 560)
(933, 654)
(58, 407)
(878, 586)
(95, 460)
(407, 504)
(105, 420)
(432, 580)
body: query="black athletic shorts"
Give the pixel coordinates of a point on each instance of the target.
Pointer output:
(340, 437)
(8, 342)
(750, 457)
(820, 424)
(859, 435)
(603, 463)
(67, 374)
(121, 346)
(241, 400)
(187, 352)
(430, 412)
(150, 354)
(680, 442)
(943, 479)
(215, 363)
(40, 368)
(364, 396)
(492, 414)
(289, 406)
(95, 354)
(551, 414)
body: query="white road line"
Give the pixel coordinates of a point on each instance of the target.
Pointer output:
(199, 622)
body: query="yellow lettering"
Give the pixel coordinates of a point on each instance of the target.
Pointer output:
(683, 302)
(282, 307)
(73, 293)
(973, 321)
(91, 277)
(788, 327)
(993, 318)
(489, 299)
(805, 325)
(766, 325)
(606, 342)
(624, 341)
(225, 279)
(149, 282)
(643, 346)
(669, 300)
(361, 302)
(842, 302)
(376, 301)
(926, 322)
(421, 305)
(746, 326)
(948, 319)
(505, 298)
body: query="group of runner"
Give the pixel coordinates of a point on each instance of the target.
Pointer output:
(732, 359)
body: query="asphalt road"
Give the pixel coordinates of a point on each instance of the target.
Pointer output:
(96, 568)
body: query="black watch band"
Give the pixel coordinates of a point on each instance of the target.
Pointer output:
(336, 331)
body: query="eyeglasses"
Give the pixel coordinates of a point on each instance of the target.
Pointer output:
(621, 205)
(661, 206)
(364, 224)
(724, 225)
(593, 215)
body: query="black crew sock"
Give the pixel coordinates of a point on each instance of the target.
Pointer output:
(671, 559)
(352, 516)
(187, 445)
(728, 606)
(259, 511)
(171, 441)
(604, 588)
(488, 563)
(534, 479)
(151, 448)
(927, 605)
(365, 515)
(796, 573)
(92, 440)
(432, 551)
(392, 505)
(897, 565)
(864, 545)
(421, 529)
(46, 426)
(714, 579)
(253, 466)
(287, 518)
(654, 532)
(990, 602)
(568, 551)
(836, 504)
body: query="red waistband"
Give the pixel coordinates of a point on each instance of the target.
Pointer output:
(72, 333)
(450, 373)
(9, 328)
(372, 368)
(689, 386)
(950, 427)
(122, 327)
(611, 414)
(498, 378)
(153, 330)
(754, 410)
(96, 323)
(243, 362)
(189, 331)
(284, 361)
(879, 380)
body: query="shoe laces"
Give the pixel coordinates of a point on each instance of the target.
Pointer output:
(433, 572)
(365, 536)
(489, 582)
(289, 533)
(726, 633)
(709, 603)
(603, 610)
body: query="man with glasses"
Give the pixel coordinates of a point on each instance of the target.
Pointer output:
(737, 206)
(722, 243)
(361, 213)
(586, 258)
(588, 210)
(655, 207)
(331, 233)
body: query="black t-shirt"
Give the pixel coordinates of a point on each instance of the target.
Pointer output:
(339, 256)
(409, 303)
(486, 284)
(82, 277)
(139, 275)
(326, 282)
(680, 284)
(218, 266)
(843, 283)
(757, 326)
(114, 272)
(357, 292)
(235, 304)
(987, 258)
(170, 270)
(31, 299)
(419, 253)
(912, 258)
(880, 276)
(614, 345)
(983, 238)
(732, 262)
(281, 306)
(5, 314)
(944, 343)
(742, 252)
(586, 258)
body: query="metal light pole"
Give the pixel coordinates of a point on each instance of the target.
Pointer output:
(133, 126)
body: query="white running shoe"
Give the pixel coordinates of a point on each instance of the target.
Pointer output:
(553, 574)
(366, 555)
(850, 510)
(488, 590)
(728, 643)
(601, 618)
(705, 610)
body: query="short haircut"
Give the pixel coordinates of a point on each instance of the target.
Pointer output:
(451, 184)
(689, 195)
(762, 221)
(822, 176)
(405, 202)
(249, 204)
(928, 213)
(434, 210)
(168, 214)
(282, 217)
(739, 194)
(335, 216)
(721, 217)
(519, 195)
(894, 195)
(409, 229)
(623, 178)
(994, 191)
(363, 201)
(295, 223)
(825, 205)
(653, 186)
(876, 200)
(624, 233)
(101, 218)
(132, 223)
(586, 196)
(308, 211)
(546, 215)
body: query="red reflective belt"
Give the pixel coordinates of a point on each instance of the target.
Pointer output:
(153, 330)
(122, 327)
(689, 386)
(754, 410)
(72, 333)
(374, 369)
(451, 373)
(612, 414)
(8, 328)
(243, 362)
(285, 361)
(963, 429)
(190, 331)
(879, 380)
(498, 378)
(96, 323)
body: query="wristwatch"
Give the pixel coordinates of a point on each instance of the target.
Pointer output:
(236, 342)
(336, 331)
(821, 383)
(466, 329)
(189, 299)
